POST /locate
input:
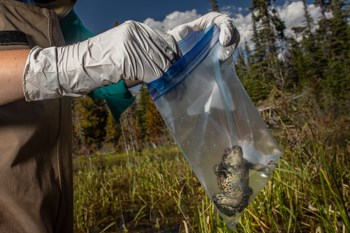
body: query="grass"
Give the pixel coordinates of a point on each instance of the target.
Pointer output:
(156, 191)
(150, 190)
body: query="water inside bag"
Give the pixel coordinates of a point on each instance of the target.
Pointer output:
(215, 124)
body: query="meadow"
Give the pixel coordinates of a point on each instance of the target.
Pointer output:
(155, 190)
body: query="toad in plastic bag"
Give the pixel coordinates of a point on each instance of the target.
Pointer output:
(214, 122)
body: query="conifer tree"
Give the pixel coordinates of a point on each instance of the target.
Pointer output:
(93, 122)
(308, 19)
(263, 21)
(321, 59)
(337, 47)
(214, 5)
(113, 132)
(304, 56)
(323, 4)
(264, 68)
(152, 127)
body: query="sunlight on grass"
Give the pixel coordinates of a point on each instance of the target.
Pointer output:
(156, 191)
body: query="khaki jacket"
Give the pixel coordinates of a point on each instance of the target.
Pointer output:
(35, 137)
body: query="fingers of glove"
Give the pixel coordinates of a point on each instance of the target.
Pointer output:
(229, 35)
(148, 54)
(181, 31)
(228, 32)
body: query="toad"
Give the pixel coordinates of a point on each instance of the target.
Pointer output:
(233, 180)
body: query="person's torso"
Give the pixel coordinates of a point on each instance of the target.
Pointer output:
(34, 127)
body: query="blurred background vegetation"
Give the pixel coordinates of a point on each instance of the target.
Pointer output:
(131, 177)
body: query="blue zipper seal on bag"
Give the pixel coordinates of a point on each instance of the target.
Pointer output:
(187, 63)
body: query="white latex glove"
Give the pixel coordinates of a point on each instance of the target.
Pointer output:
(131, 51)
(229, 35)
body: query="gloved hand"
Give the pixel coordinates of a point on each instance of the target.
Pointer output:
(229, 35)
(130, 51)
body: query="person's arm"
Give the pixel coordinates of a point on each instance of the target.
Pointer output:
(12, 64)
(132, 83)
(131, 51)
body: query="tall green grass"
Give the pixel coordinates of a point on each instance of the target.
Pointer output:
(156, 191)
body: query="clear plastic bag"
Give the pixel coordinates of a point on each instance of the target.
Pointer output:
(214, 122)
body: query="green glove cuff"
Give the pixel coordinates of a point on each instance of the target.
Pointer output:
(73, 29)
(117, 96)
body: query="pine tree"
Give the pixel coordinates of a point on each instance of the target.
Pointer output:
(267, 27)
(308, 19)
(337, 47)
(265, 69)
(113, 132)
(321, 60)
(152, 127)
(142, 119)
(93, 122)
(304, 57)
(214, 5)
(259, 48)
(323, 4)
(263, 20)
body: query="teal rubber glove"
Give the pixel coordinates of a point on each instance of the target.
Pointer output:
(117, 95)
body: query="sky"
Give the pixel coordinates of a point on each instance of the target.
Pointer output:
(100, 15)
